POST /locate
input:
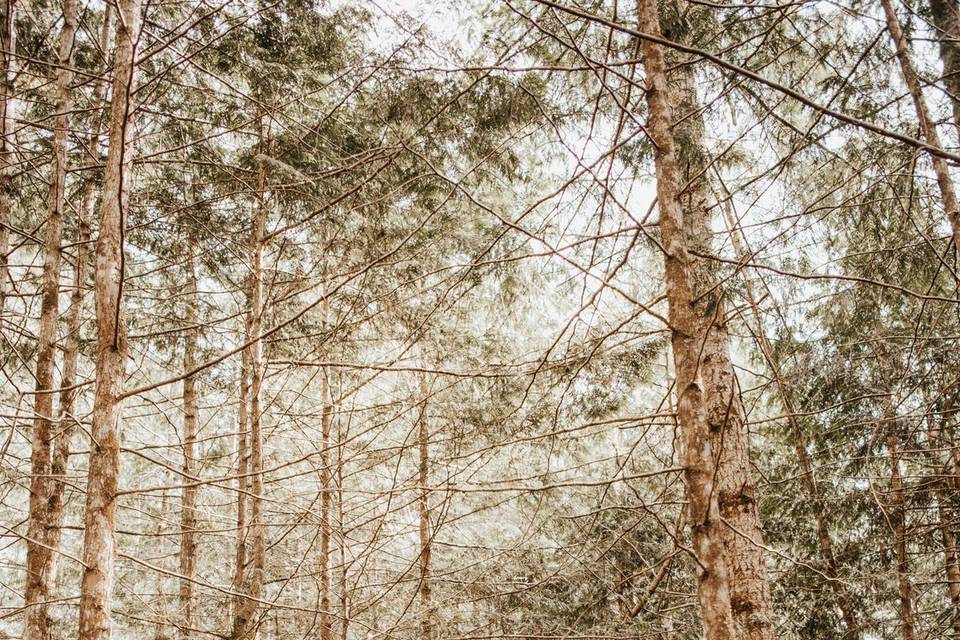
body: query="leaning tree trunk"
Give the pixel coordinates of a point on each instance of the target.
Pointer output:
(188, 505)
(899, 529)
(8, 48)
(104, 467)
(736, 491)
(251, 588)
(948, 193)
(42, 520)
(946, 20)
(713, 584)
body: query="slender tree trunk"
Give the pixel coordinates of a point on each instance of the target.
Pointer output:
(423, 503)
(817, 503)
(40, 552)
(713, 586)
(946, 20)
(98, 540)
(341, 533)
(245, 622)
(8, 48)
(898, 523)
(243, 468)
(162, 617)
(326, 618)
(188, 507)
(948, 193)
(68, 395)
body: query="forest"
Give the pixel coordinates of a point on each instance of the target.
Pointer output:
(479, 320)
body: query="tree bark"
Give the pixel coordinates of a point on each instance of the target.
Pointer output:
(68, 394)
(341, 533)
(898, 523)
(326, 617)
(818, 506)
(98, 540)
(713, 588)
(188, 506)
(8, 48)
(736, 491)
(946, 20)
(945, 513)
(42, 519)
(948, 193)
(245, 623)
(423, 504)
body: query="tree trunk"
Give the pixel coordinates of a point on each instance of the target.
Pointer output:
(817, 503)
(326, 617)
(898, 523)
(98, 540)
(948, 193)
(423, 503)
(698, 457)
(946, 20)
(736, 491)
(945, 514)
(8, 48)
(42, 520)
(245, 622)
(344, 597)
(243, 468)
(188, 512)
(67, 421)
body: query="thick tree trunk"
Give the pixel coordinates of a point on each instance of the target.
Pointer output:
(188, 506)
(8, 47)
(948, 193)
(423, 504)
(98, 540)
(736, 492)
(245, 623)
(898, 523)
(40, 551)
(713, 587)
(946, 20)
(818, 506)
